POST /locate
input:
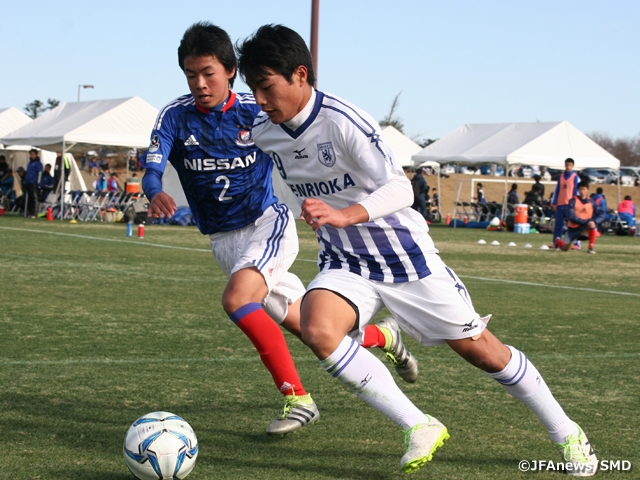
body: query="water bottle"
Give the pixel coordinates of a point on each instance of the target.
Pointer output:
(129, 229)
(141, 230)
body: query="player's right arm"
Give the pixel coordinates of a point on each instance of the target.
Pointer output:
(155, 162)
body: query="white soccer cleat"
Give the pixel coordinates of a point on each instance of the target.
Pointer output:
(421, 441)
(578, 455)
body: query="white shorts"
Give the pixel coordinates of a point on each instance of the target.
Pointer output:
(270, 244)
(433, 309)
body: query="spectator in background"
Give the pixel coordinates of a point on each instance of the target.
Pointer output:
(84, 161)
(20, 201)
(538, 187)
(57, 169)
(627, 213)
(582, 214)
(6, 182)
(4, 167)
(31, 180)
(512, 196)
(47, 182)
(601, 202)
(101, 182)
(532, 197)
(93, 167)
(566, 189)
(420, 190)
(112, 183)
(480, 198)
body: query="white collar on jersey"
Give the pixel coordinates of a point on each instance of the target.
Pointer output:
(302, 116)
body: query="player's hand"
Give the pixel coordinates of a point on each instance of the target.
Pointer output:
(162, 206)
(317, 213)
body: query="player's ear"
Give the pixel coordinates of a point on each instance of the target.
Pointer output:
(300, 74)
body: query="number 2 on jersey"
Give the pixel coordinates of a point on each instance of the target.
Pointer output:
(227, 183)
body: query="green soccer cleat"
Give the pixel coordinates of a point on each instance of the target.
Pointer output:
(295, 415)
(578, 455)
(421, 442)
(405, 363)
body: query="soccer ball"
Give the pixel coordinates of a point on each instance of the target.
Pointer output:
(160, 445)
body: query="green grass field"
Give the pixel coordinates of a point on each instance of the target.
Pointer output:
(98, 329)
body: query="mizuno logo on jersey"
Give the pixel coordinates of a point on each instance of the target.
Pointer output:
(191, 141)
(209, 164)
(317, 189)
(469, 326)
(300, 154)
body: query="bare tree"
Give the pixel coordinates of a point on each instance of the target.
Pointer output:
(35, 108)
(390, 119)
(627, 150)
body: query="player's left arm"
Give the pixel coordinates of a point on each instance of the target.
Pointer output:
(372, 155)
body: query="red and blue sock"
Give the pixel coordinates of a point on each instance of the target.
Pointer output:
(269, 341)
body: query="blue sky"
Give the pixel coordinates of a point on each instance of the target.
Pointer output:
(455, 62)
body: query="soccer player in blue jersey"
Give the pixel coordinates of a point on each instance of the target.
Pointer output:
(375, 251)
(207, 137)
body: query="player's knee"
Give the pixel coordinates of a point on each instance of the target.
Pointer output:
(232, 302)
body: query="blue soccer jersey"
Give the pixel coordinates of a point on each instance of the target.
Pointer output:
(225, 177)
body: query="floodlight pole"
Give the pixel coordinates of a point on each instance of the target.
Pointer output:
(315, 15)
(83, 86)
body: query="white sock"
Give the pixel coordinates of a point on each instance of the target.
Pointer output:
(522, 380)
(369, 379)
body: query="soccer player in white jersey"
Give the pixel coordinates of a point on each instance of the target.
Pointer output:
(375, 251)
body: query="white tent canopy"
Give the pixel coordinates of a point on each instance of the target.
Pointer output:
(546, 144)
(124, 123)
(403, 147)
(11, 119)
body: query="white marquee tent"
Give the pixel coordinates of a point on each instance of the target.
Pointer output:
(540, 143)
(79, 126)
(11, 119)
(403, 147)
(546, 144)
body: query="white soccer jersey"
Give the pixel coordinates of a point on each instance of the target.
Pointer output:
(338, 156)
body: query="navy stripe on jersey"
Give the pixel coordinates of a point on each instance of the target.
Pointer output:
(409, 245)
(337, 368)
(379, 237)
(369, 132)
(328, 255)
(522, 369)
(275, 239)
(336, 241)
(359, 246)
(259, 121)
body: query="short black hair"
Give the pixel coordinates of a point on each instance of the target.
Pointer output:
(570, 160)
(627, 197)
(583, 183)
(2, 157)
(204, 39)
(276, 48)
(514, 186)
(599, 190)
